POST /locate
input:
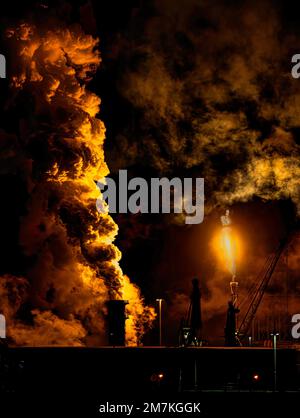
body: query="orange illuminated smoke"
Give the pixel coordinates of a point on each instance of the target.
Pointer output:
(74, 253)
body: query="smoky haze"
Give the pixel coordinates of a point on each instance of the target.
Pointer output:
(211, 95)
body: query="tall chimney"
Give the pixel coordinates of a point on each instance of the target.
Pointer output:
(116, 317)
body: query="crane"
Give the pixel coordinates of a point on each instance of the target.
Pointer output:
(257, 294)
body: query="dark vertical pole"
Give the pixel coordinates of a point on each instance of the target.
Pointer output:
(275, 335)
(160, 320)
(195, 375)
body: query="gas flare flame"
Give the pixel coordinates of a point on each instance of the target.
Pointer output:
(229, 251)
(226, 244)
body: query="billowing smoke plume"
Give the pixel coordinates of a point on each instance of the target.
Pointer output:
(72, 264)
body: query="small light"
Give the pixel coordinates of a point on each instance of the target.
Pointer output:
(157, 377)
(256, 377)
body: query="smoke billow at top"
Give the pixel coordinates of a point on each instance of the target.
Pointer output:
(213, 97)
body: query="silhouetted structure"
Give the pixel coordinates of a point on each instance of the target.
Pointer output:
(116, 317)
(230, 328)
(190, 333)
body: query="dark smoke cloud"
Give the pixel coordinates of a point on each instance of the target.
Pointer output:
(213, 96)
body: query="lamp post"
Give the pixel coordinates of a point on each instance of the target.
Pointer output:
(159, 319)
(275, 335)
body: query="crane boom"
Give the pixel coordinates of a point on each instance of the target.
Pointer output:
(260, 289)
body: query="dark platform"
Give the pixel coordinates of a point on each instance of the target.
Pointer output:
(82, 377)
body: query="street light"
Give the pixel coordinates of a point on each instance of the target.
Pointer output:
(159, 319)
(275, 335)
